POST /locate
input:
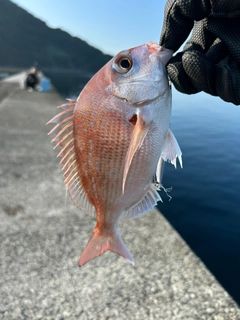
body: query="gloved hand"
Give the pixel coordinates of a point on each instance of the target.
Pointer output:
(210, 60)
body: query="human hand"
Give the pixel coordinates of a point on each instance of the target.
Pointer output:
(210, 60)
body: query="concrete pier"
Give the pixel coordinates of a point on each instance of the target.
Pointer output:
(42, 237)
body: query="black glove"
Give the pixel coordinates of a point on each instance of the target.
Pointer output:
(210, 60)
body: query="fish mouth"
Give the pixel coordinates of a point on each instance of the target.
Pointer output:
(147, 78)
(164, 53)
(153, 87)
(140, 103)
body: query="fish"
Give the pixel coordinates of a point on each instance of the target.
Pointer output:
(114, 141)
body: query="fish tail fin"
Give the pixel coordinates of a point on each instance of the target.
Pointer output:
(99, 243)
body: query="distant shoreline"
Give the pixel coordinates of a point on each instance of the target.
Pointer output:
(78, 71)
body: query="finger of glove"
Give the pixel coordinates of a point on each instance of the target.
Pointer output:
(217, 52)
(178, 76)
(204, 41)
(201, 38)
(200, 70)
(219, 80)
(179, 16)
(228, 31)
(206, 31)
(227, 80)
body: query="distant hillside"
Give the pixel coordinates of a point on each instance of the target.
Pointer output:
(25, 39)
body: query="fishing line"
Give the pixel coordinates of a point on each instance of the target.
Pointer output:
(160, 186)
(167, 190)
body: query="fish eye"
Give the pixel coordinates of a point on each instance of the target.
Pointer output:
(123, 64)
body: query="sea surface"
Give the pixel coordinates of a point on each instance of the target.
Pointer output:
(205, 204)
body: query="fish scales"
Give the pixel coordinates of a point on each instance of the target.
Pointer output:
(114, 139)
(101, 148)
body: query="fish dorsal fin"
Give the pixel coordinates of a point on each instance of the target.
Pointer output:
(64, 138)
(138, 135)
(145, 205)
(171, 150)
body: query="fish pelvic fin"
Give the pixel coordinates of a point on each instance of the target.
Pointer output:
(100, 243)
(139, 133)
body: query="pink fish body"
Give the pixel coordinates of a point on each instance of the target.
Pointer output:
(114, 140)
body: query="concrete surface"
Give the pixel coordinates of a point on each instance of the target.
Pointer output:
(41, 240)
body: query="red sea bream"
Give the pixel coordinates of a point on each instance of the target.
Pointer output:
(114, 139)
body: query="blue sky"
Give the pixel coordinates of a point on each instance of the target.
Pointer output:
(110, 25)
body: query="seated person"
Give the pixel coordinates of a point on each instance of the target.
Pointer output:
(32, 80)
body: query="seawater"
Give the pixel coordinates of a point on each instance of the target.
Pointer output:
(205, 205)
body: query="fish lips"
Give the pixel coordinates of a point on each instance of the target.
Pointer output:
(140, 93)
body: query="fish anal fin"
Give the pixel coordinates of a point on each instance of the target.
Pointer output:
(100, 243)
(171, 150)
(64, 137)
(145, 205)
(138, 135)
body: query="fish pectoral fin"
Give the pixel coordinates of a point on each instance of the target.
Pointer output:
(171, 150)
(149, 201)
(138, 135)
(100, 243)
